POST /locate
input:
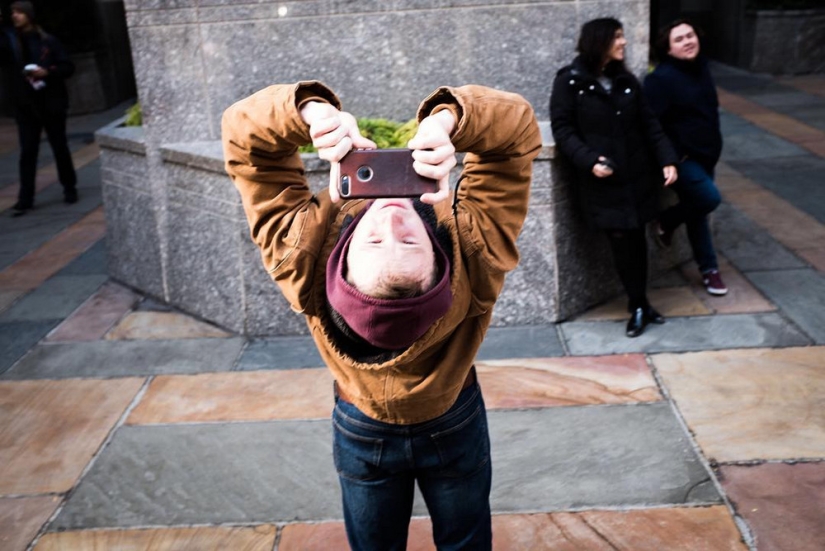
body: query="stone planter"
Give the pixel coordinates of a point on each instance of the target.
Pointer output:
(185, 241)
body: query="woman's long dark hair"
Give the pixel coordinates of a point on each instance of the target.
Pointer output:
(595, 40)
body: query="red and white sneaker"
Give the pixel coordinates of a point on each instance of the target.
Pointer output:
(713, 283)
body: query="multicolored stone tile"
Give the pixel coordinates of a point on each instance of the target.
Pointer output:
(750, 404)
(236, 396)
(149, 325)
(205, 538)
(39, 265)
(21, 519)
(96, 316)
(566, 381)
(674, 529)
(53, 428)
(782, 503)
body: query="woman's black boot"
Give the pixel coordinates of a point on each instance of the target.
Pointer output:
(652, 316)
(636, 323)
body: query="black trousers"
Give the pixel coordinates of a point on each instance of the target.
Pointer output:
(30, 124)
(629, 248)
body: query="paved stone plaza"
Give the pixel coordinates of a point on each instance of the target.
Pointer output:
(126, 425)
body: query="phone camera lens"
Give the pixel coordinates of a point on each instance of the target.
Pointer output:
(344, 190)
(364, 173)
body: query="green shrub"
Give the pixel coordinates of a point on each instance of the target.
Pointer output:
(134, 116)
(385, 133)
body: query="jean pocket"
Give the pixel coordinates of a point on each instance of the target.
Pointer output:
(464, 448)
(356, 457)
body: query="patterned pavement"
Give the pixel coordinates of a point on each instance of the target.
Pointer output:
(127, 425)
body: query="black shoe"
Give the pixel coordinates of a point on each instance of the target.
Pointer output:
(652, 316)
(636, 323)
(19, 209)
(70, 196)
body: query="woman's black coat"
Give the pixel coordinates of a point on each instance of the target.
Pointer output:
(589, 122)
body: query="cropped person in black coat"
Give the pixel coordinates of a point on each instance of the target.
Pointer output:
(38, 66)
(603, 125)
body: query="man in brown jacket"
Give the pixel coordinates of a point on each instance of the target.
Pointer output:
(407, 404)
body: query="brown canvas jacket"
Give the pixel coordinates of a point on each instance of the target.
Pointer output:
(296, 231)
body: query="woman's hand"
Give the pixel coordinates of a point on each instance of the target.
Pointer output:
(671, 174)
(434, 153)
(334, 133)
(601, 169)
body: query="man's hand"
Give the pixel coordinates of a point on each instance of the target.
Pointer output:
(334, 133)
(671, 174)
(434, 153)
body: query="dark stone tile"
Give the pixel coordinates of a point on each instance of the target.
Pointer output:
(544, 459)
(17, 337)
(801, 296)
(796, 179)
(748, 147)
(208, 474)
(747, 245)
(127, 358)
(535, 341)
(280, 353)
(56, 298)
(92, 262)
(781, 503)
(684, 334)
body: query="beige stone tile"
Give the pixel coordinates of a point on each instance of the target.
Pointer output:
(545, 382)
(669, 301)
(751, 404)
(163, 325)
(671, 529)
(742, 297)
(738, 105)
(787, 127)
(321, 536)
(53, 428)
(812, 84)
(815, 257)
(236, 396)
(206, 538)
(97, 315)
(815, 147)
(21, 519)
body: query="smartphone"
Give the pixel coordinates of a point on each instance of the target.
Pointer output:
(372, 173)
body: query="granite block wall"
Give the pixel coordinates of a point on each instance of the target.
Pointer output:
(175, 220)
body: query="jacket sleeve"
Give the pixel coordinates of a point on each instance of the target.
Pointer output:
(59, 64)
(665, 155)
(563, 121)
(657, 94)
(261, 135)
(500, 135)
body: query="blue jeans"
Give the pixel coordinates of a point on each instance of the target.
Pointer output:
(378, 464)
(698, 197)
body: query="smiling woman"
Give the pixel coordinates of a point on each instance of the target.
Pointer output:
(603, 125)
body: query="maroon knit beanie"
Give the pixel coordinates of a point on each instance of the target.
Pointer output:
(391, 324)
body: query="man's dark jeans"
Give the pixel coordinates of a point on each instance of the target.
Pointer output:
(698, 197)
(378, 464)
